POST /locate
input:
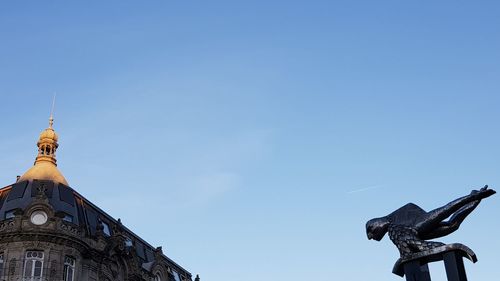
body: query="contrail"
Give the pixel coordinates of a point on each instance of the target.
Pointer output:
(364, 189)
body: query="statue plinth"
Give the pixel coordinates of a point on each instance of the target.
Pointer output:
(415, 267)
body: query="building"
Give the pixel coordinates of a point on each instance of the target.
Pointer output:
(48, 231)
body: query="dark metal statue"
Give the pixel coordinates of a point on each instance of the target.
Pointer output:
(410, 226)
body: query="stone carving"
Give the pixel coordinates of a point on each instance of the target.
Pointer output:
(70, 229)
(36, 244)
(42, 191)
(9, 224)
(410, 226)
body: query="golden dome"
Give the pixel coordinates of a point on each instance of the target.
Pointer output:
(44, 171)
(48, 134)
(45, 167)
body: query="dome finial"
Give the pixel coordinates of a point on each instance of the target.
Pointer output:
(45, 167)
(47, 144)
(51, 118)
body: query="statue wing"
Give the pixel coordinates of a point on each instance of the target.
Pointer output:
(408, 215)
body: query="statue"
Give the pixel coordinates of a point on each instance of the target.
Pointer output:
(409, 227)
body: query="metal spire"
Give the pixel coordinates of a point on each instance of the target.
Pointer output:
(51, 119)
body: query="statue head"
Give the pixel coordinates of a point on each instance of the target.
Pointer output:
(377, 228)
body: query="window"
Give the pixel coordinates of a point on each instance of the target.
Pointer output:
(1, 265)
(39, 217)
(33, 265)
(68, 218)
(105, 229)
(9, 214)
(128, 242)
(157, 277)
(69, 269)
(176, 275)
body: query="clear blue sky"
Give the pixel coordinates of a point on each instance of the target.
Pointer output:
(262, 134)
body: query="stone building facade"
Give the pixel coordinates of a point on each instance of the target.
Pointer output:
(48, 231)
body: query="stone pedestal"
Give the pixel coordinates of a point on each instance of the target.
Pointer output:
(415, 267)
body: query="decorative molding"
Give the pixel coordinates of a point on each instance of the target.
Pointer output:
(7, 225)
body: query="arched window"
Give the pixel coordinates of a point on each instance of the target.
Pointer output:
(157, 277)
(69, 269)
(33, 265)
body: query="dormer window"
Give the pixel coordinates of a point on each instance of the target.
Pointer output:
(105, 229)
(128, 242)
(176, 275)
(68, 218)
(10, 214)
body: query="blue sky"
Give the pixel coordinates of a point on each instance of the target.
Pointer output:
(262, 134)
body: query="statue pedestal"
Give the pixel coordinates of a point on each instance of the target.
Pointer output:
(415, 267)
